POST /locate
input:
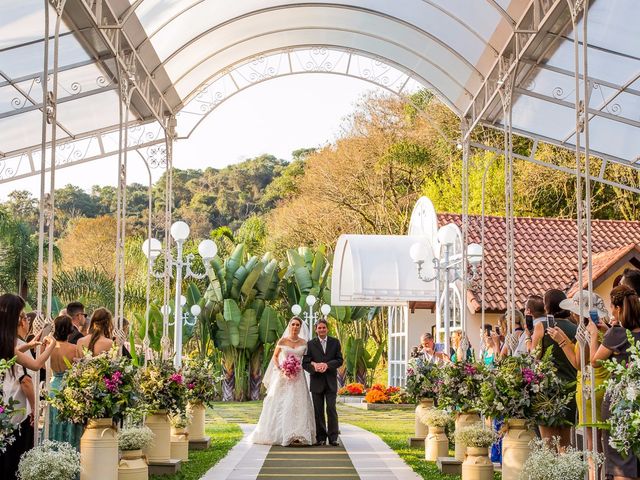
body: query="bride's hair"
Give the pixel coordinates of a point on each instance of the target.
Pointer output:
(295, 318)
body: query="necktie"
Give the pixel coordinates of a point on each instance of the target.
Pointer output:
(324, 345)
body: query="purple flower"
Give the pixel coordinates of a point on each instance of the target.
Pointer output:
(529, 376)
(191, 386)
(470, 369)
(114, 382)
(176, 377)
(1, 409)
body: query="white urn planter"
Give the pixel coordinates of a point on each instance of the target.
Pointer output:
(436, 444)
(515, 448)
(463, 420)
(180, 444)
(99, 450)
(477, 464)
(196, 426)
(133, 466)
(160, 449)
(420, 428)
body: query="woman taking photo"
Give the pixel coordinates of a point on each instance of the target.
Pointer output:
(101, 331)
(11, 315)
(63, 353)
(625, 307)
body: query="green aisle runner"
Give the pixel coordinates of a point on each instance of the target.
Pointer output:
(310, 463)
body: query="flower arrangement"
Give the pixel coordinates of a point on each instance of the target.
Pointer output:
(352, 389)
(291, 367)
(434, 417)
(200, 381)
(7, 409)
(423, 379)
(97, 387)
(623, 390)
(162, 387)
(544, 462)
(476, 436)
(58, 460)
(135, 438)
(376, 396)
(460, 387)
(525, 388)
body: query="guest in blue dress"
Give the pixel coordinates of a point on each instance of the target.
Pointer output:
(58, 430)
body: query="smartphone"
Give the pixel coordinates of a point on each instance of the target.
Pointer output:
(593, 314)
(46, 330)
(497, 330)
(551, 321)
(529, 322)
(438, 348)
(488, 329)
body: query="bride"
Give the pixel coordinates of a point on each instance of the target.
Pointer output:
(287, 413)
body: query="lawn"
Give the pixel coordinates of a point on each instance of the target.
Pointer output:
(393, 427)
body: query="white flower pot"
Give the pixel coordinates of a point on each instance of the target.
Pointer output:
(133, 466)
(180, 444)
(99, 450)
(515, 448)
(436, 444)
(424, 405)
(160, 449)
(477, 465)
(196, 427)
(462, 420)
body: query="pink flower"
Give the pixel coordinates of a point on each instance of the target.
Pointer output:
(1, 409)
(176, 377)
(470, 369)
(529, 376)
(191, 386)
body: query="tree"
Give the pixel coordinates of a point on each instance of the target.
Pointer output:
(90, 244)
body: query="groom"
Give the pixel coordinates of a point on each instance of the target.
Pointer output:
(322, 360)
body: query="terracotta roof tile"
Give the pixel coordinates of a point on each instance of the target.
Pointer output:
(545, 253)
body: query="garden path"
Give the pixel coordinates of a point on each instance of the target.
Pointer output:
(363, 455)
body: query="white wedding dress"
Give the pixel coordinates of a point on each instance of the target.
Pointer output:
(287, 412)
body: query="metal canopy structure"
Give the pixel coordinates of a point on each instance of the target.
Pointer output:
(173, 51)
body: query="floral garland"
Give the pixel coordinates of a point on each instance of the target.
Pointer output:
(526, 388)
(200, 381)
(162, 387)
(97, 387)
(423, 379)
(460, 387)
(623, 391)
(7, 409)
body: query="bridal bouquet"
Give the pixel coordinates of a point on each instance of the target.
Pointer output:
(291, 367)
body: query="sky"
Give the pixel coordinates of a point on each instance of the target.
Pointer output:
(277, 117)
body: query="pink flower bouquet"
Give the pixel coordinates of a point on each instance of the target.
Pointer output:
(291, 367)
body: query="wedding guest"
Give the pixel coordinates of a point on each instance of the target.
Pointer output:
(625, 307)
(15, 383)
(427, 349)
(521, 347)
(564, 369)
(580, 303)
(75, 310)
(101, 333)
(63, 353)
(456, 349)
(631, 278)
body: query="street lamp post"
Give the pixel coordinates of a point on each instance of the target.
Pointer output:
(448, 267)
(311, 317)
(152, 249)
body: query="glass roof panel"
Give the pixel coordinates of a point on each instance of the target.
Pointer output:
(609, 30)
(615, 138)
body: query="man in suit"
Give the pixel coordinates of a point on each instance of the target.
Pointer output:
(322, 360)
(79, 319)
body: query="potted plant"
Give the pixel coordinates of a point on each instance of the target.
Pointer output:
(351, 393)
(201, 393)
(180, 436)
(7, 410)
(546, 462)
(48, 460)
(423, 382)
(164, 393)
(459, 393)
(477, 464)
(97, 391)
(131, 441)
(524, 391)
(436, 443)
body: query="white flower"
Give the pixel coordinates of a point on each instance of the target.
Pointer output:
(632, 393)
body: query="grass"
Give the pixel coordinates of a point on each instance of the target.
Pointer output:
(394, 427)
(224, 435)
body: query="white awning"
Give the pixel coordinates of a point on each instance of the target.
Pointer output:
(377, 270)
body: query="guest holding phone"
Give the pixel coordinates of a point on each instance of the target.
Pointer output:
(11, 317)
(625, 307)
(579, 305)
(558, 317)
(63, 353)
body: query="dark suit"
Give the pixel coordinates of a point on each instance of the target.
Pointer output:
(324, 386)
(75, 336)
